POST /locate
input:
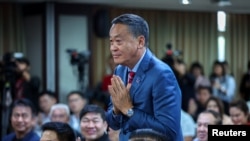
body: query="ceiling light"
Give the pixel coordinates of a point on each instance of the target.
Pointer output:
(222, 3)
(185, 2)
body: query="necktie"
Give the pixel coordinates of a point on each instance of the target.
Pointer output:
(131, 76)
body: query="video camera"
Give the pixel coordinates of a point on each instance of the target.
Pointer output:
(78, 57)
(171, 55)
(8, 67)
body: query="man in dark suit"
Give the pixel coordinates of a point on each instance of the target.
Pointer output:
(23, 116)
(153, 98)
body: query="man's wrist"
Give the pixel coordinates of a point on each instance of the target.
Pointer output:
(128, 111)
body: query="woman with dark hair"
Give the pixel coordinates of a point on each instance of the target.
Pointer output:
(197, 70)
(239, 112)
(215, 104)
(223, 85)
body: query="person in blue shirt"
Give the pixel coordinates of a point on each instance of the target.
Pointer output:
(153, 98)
(23, 114)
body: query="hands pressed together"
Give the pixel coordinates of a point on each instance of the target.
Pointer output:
(120, 95)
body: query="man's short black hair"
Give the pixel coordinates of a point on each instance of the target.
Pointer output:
(24, 102)
(23, 60)
(48, 92)
(143, 134)
(63, 130)
(206, 87)
(80, 93)
(137, 25)
(92, 108)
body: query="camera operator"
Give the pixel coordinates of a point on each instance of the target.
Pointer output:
(26, 86)
(16, 80)
(17, 84)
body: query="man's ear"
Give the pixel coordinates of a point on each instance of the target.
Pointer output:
(141, 40)
(34, 120)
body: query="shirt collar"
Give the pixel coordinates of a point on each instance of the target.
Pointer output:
(138, 63)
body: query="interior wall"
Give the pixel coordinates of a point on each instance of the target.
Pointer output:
(33, 39)
(72, 35)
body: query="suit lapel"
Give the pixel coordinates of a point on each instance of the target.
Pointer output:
(141, 73)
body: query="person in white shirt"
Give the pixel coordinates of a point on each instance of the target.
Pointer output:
(76, 102)
(188, 126)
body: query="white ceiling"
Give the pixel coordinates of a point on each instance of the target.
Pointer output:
(238, 6)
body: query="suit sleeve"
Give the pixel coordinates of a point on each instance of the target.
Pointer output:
(166, 100)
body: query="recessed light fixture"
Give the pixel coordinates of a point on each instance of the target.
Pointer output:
(222, 3)
(185, 2)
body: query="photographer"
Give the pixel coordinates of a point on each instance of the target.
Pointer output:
(26, 86)
(16, 81)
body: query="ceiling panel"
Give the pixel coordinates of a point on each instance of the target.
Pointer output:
(238, 6)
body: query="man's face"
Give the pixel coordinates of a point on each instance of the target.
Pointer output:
(76, 103)
(49, 135)
(92, 126)
(46, 102)
(22, 66)
(60, 115)
(203, 121)
(22, 120)
(124, 46)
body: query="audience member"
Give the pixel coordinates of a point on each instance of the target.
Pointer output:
(147, 135)
(186, 82)
(27, 85)
(202, 95)
(17, 83)
(200, 79)
(76, 101)
(23, 114)
(239, 112)
(60, 113)
(245, 84)
(147, 100)
(204, 119)
(46, 100)
(188, 126)
(223, 85)
(215, 104)
(227, 68)
(57, 131)
(93, 123)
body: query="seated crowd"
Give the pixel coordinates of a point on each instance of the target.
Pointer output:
(206, 101)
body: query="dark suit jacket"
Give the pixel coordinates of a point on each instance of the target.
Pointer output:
(156, 98)
(31, 136)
